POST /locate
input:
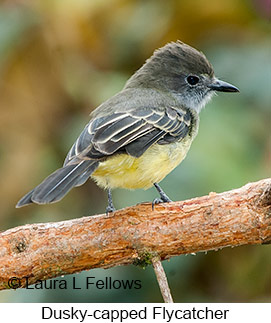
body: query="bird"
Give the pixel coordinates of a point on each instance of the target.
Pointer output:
(138, 136)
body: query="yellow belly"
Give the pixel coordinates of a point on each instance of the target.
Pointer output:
(124, 171)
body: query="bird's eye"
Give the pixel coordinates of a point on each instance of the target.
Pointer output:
(192, 79)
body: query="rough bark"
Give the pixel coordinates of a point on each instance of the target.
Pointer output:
(136, 235)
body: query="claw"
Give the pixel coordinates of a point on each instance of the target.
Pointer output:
(156, 201)
(109, 209)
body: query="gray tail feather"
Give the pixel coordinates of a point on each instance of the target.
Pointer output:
(59, 183)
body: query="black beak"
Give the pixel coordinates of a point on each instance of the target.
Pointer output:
(222, 86)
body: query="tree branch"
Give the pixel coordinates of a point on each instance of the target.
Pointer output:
(137, 234)
(162, 279)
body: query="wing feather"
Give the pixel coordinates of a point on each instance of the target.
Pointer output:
(131, 132)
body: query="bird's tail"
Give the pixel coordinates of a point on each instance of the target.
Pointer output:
(59, 183)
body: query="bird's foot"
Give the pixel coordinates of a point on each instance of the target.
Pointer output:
(163, 196)
(109, 209)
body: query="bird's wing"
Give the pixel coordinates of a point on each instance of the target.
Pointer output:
(131, 132)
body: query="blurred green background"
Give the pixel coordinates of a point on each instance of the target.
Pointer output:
(60, 59)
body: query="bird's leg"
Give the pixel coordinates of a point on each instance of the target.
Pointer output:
(110, 208)
(163, 196)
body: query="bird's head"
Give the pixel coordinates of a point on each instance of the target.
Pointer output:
(183, 71)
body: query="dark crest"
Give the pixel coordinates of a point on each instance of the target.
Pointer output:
(180, 55)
